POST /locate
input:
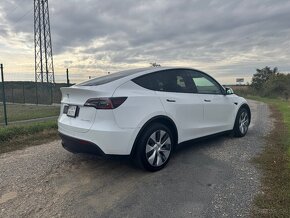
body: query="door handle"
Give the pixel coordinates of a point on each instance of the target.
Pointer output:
(207, 100)
(170, 100)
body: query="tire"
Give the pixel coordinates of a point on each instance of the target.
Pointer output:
(154, 148)
(242, 123)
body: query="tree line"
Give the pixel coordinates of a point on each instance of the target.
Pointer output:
(269, 82)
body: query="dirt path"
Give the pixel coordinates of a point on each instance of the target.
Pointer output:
(213, 178)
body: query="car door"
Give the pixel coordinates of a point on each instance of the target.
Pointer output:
(218, 108)
(181, 102)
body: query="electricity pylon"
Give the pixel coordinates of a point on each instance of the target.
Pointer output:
(44, 71)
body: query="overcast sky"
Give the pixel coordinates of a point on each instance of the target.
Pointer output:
(225, 38)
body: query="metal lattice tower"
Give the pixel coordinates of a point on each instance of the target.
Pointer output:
(44, 71)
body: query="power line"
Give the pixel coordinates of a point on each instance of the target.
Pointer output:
(14, 9)
(13, 4)
(24, 15)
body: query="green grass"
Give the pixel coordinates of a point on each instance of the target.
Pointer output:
(274, 161)
(18, 112)
(21, 136)
(283, 107)
(18, 136)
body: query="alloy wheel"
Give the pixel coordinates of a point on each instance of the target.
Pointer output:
(158, 148)
(244, 122)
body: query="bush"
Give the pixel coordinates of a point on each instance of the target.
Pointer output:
(271, 83)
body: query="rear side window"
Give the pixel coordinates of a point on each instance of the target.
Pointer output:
(110, 78)
(167, 81)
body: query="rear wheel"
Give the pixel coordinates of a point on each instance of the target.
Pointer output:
(154, 147)
(242, 123)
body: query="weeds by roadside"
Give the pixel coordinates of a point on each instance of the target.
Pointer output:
(274, 201)
(18, 137)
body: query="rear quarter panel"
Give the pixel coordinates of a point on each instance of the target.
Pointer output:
(140, 106)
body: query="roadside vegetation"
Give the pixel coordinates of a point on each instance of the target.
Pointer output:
(274, 161)
(269, 83)
(273, 88)
(22, 136)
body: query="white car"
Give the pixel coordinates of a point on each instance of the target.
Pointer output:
(146, 112)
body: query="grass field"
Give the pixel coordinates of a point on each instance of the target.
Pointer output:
(284, 108)
(18, 112)
(18, 136)
(274, 161)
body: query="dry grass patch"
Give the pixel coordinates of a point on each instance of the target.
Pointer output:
(274, 201)
(22, 136)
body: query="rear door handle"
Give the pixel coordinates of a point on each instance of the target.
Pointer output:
(170, 100)
(207, 100)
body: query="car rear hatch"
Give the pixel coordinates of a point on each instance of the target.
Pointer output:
(85, 116)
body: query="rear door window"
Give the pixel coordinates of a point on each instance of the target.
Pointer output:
(167, 81)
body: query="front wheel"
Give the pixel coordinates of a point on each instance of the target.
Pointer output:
(242, 123)
(154, 147)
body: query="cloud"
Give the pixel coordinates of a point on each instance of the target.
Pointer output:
(227, 38)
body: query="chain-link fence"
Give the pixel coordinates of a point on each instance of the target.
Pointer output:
(32, 93)
(24, 101)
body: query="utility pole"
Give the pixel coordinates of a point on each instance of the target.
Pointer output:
(67, 77)
(3, 95)
(44, 70)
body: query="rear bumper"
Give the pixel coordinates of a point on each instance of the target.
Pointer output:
(80, 146)
(109, 138)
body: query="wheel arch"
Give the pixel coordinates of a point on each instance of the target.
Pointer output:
(246, 106)
(157, 119)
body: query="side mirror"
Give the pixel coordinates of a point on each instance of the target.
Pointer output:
(229, 91)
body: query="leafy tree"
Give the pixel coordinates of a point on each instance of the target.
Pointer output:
(277, 85)
(262, 76)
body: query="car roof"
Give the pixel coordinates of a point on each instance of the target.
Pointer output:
(123, 76)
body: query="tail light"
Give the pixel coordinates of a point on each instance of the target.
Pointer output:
(105, 103)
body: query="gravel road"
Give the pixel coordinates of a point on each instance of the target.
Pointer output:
(212, 178)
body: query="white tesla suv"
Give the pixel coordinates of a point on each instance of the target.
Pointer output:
(146, 112)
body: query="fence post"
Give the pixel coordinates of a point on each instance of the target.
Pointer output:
(4, 97)
(67, 77)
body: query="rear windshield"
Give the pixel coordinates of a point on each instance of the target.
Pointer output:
(111, 77)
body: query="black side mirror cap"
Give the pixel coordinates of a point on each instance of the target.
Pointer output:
(229, 91)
